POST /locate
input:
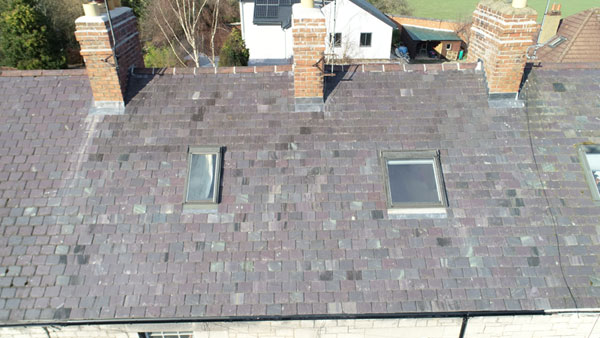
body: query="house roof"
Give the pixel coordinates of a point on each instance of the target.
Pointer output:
(429, 34)
(285, 13)
(581, 33)
(91, 206)
(367, 6)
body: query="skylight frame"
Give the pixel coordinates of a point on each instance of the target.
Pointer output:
(557, 41)
(583, 151)
(203, 150)
(407, 156)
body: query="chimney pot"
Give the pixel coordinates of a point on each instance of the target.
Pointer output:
(307, 3)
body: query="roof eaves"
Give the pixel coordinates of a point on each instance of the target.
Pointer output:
(367, 6)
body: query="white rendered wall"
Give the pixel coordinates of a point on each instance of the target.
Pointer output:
(352, 20)
(556, 326)
(264, 41)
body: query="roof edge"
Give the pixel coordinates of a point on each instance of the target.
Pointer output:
(43, 72)
(564, 65)
(371, 9)
(393, 315)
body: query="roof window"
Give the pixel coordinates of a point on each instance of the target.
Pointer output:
(590, 160)
(413, 179)
(555, 42)
(204, 176)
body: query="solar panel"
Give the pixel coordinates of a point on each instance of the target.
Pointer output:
(266, 8)
(272, 11)
(286, 2)
(260, 11)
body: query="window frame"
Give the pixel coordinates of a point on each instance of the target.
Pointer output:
(159, 334)
(583, 151)
(449, 46)
(204, 150)
(370, 34)
(337, 43)
(392, 155)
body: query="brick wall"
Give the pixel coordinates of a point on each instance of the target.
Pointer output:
(500, 36)
(309, 46)
(95, 39)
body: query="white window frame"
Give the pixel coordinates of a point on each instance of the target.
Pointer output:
(449, 46)
(162, 334)
(429, 155)
(583, 151)
(204, 150)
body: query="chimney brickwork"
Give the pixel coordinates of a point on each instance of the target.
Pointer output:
(309, 34)
(94, 36)
(500, 37)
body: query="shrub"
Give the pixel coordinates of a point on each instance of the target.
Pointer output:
(159, 57)
(25, 40)
(234, 51)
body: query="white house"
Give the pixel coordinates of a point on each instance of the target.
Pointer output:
(356, 29)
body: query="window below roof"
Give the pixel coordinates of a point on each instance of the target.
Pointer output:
(336, 39)
(413, 179)
(169, 334)
(590, 160)
(204, 176)
(365, 39)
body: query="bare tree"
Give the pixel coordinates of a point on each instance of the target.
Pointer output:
(180, 22)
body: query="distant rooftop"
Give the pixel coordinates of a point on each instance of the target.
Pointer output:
(577, 39)
(429, 34)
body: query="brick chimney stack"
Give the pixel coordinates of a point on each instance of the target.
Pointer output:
(309, 34)
(108, 77)
(500, 37)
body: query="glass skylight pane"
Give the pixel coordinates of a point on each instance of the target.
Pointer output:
(412, 181)
(594, 163)
(201, 185)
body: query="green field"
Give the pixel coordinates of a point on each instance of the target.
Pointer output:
(460, 10)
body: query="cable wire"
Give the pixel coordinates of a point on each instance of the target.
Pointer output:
(553, 217)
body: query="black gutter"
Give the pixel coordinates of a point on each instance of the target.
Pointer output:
(405, 315)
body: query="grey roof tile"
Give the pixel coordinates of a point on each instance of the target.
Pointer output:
(92, 223)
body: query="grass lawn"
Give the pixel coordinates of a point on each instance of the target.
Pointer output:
(460, 10)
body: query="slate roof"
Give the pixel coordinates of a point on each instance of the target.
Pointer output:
(91, 206)
(367, 6)
(582, 33)
(285, 11)
(428, 34)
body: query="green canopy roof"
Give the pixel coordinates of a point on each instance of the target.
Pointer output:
(427, 34)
